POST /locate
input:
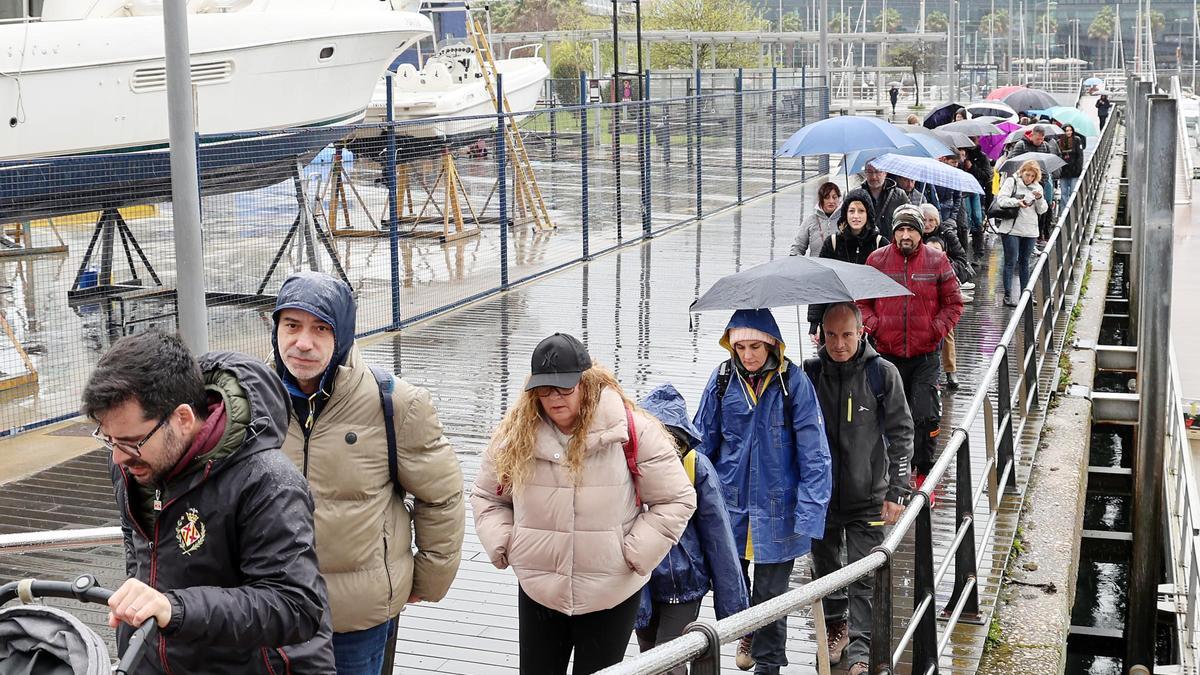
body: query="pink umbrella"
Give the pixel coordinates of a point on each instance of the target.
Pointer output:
(1000, 93)
(993, 146)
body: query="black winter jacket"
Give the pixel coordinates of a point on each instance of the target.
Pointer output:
(847, 247)
(870, 448)
(232, 547)
(891, 197)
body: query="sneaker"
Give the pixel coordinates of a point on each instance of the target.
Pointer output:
(743, 658)
(967, 298)
(859, 668)
(967, 286)
(838, 636)
(951, 381)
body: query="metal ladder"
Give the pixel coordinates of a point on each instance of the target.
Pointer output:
(527, 193)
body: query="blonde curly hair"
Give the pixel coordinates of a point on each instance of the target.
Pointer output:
(513, 442)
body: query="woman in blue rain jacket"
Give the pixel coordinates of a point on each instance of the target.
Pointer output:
(705, 556)
(773, 465)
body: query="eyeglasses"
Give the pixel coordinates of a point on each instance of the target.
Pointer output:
(132, 449)
(546, 392)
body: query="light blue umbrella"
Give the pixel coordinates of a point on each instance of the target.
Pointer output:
(1077, 118)
(926, 170)
(1093, 82)
(841, 135)
(924, 146)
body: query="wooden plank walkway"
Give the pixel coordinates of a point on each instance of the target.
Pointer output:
(630, 307)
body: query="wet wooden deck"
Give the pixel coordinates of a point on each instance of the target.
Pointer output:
(630, 307)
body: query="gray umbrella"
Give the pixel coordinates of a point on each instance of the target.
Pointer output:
(952, 139)
(971, 128)
(798, 280)
(1047, 161)
(1030, 99)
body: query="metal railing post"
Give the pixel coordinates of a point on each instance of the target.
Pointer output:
(881, 617)
(1029, 356)
(1154, 363)
(502, 179)
(583, 165)
(964, 558)
(708, 663)
(394, 204)
(645, 154)
(1136, 102)
(1004, 449)
(925, 638)
(617, 110)
(699, 148)
(774, 128)
(803, 114)
(738, 131)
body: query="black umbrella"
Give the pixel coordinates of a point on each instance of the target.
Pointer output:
(798, 280)
(942, 114)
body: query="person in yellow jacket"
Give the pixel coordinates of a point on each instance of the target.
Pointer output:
(338, 438)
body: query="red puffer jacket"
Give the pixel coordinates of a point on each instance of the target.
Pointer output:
(915, 324)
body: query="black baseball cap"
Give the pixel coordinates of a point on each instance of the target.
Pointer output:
(558, 361)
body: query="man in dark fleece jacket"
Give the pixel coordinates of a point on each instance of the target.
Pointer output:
(218, 524)
(870, 435)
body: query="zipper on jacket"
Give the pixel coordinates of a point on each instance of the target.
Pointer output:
(305, 471)
(387, 570)
(907, 299)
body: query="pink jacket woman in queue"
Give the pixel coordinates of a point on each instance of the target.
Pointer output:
(556, 500)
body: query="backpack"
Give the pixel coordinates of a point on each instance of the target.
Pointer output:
(387, 384)
(812, 368)
(725, 374)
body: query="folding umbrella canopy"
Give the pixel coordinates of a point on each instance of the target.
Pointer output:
(999, 93)
(971, 128)
(942, 114)
(1077, 118)
(949, 138)
(1050, 130)
(798, 280)
(928, 170)
(1093, 82)
(1047, 161)
(1029, 99)
(994, 108)
(993, 146)
(840, 135)
(924, 146)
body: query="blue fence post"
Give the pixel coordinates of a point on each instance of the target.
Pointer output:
(699, 149)
(393, 226)
(774, 128)
(583, 161)
(501, 179)
(645, 135)
(737, 127)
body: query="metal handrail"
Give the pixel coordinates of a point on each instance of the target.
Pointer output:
(1182, 506)
(702, 640)
(52, 540)
(1184, 152)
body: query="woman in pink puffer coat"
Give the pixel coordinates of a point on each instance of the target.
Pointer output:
(556, 500)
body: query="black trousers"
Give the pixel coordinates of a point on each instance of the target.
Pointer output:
(667, 622)
(922, 387)
(854, 606)
(547, 637)
(769, 647)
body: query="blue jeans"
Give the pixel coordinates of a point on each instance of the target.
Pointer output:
(361, 652)
(1017, 253)
(1068, 187)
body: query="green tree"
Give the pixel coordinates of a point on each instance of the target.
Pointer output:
(536, 15)
(840, 23)
(893, 21)
(994, 24)
(704, 15)
(1101, 29)
(916, 56)
(792, 21)
(1157, 22)
(936, 22)
(1046, 25)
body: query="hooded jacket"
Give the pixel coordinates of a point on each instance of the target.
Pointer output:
(776, 480)
(890, 198)
(232, 544)
(870, 445)
(913, 325)
(706, 556)
(580, 546)
(365, 532)
(816, 228)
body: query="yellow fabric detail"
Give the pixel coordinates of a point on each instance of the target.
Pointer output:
(749, 542)
(689, 466)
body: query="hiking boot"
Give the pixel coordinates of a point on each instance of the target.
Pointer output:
(951, 382)
(743, 658)
(859, 668)
(838, 636)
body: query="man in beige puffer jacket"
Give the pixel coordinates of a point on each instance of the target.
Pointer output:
(365, 533)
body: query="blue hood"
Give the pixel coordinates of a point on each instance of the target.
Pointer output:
(667, 404)
(330, 300)
(758, 319)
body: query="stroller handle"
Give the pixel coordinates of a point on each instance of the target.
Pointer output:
(86, 589)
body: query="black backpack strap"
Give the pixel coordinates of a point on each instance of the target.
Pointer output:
(875, 382)
(387, 384)
(724, 374)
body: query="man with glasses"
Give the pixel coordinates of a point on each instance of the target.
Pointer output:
(882, 194)
(218, 525)
(361, 462)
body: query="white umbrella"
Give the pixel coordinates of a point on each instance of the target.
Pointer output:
(927, 170)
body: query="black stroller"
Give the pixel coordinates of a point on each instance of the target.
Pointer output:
(40, 640)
